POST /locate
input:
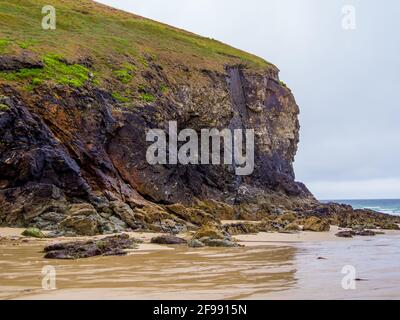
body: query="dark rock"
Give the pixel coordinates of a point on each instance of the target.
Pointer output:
(114, 245)
(168, 239)
(351, 234)
(345, 234)
(20, 206)
(219, 243)
(15, 63)
(366, 233)
(194, 243)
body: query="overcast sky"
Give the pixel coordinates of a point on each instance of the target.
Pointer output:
(346, 82)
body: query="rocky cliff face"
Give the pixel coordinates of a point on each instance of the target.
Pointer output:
(61, 146)
(73, 149)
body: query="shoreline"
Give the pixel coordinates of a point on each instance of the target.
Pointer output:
(302, 237)
(178, 272)
(9, 235)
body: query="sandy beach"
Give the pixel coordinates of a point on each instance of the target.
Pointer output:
(269, 266)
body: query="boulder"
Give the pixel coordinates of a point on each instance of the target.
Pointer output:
(14, 63)
(83, 219)
(366, 233)
(194, 243)
(241, 228)
(125, 213)
(33, 233)
(352, 233)
(195, 216)
(269, 226)
(168, 226)
(292, 227)
(219, 243)
(114, 245)
(390, 226)
(168, 239)
(287, 216)
(217, 210)
(209, 231)
(316, 225)
(82, 209)
(345, 234)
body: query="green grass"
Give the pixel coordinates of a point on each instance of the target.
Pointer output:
(120, 98)
(3, 45)
(126, 74)
(75, 75)
(26, 44)
(120, 44)
(147, 97)
(144, 62)
(55, 69)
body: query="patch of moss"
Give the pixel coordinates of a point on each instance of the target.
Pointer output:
(124, 75)
(144, 62)
(75, 74)
(119, 97)
(147, 97)
(36, 81)
(26, 43)
(55, 69)
(33, 233)
(3, 107)
(164, 89)
(282, 84)
(3, 44)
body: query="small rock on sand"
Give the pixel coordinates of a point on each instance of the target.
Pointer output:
(168, 239)
(110, 246)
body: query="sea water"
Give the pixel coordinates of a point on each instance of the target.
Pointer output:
(390, 206)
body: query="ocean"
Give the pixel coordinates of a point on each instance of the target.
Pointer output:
(390, 206)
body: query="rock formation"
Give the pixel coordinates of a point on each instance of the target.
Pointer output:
(73, 127)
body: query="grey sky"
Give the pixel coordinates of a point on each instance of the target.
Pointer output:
(346, 82)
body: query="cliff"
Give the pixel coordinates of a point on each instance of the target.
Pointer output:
(76, 103)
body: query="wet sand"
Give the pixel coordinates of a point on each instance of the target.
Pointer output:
(300, 237)
(178, 273)
(272, 266)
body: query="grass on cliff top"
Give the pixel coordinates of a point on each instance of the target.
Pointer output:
(122, 51)
(86, 28)
(54, 69)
